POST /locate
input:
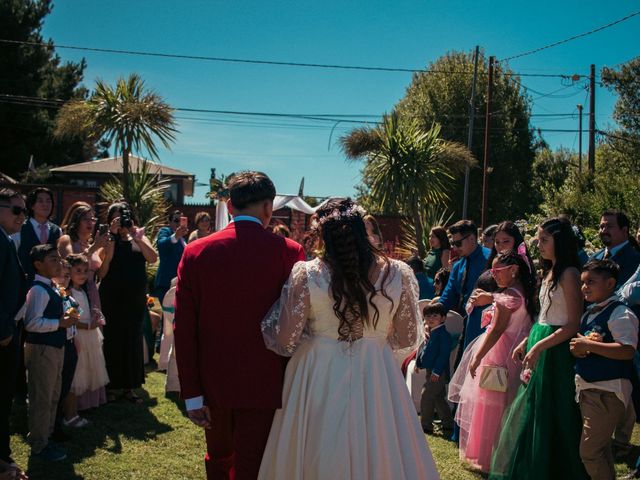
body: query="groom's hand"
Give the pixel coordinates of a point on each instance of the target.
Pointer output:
(200, 417)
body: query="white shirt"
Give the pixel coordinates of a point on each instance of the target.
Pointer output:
(37, 300)
(623, 325)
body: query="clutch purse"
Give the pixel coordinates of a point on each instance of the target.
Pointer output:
(494, 378)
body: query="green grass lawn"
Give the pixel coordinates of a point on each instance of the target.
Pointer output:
(156, 441)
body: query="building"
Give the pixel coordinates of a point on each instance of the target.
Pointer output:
(94, 173)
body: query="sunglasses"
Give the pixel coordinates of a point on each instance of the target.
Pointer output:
(458, 243)
(495, 271)
(16, 210)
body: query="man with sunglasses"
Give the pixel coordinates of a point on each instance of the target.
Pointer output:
(13, 290)
(465, 273)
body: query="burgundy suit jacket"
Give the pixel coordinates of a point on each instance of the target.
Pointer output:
(227, 282)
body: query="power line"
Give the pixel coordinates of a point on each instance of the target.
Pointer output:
(566, 40)
(51, 45)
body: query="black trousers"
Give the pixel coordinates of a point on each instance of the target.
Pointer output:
(8, 367)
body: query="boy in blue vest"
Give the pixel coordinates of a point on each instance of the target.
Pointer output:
(433, 356)
(604, 349)
(46, 325)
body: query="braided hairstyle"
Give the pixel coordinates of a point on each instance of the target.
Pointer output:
(350, 257)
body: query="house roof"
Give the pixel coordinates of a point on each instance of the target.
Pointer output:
(113, 165)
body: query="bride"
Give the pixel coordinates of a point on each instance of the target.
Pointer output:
(346, 411)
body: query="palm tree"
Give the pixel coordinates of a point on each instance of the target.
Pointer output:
(408, 169)
(130, 114)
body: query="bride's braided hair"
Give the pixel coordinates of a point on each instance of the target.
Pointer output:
(350, 257)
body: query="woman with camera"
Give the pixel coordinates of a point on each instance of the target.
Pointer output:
(123, 294)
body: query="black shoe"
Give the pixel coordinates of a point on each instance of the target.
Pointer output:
(59, 435)
(428, 431)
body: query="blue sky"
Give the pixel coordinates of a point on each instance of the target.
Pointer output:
(390, 33)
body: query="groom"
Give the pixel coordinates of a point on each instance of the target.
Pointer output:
(227, 283)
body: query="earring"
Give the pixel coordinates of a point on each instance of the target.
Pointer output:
(513, 275)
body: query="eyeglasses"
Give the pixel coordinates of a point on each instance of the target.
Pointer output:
(458, 243)
(495, 271)
(16, 210)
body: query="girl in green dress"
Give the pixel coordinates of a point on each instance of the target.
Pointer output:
(540, 435)
(438, 256)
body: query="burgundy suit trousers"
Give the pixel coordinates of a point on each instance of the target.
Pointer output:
(236, 442)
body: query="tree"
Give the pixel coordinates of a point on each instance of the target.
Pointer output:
(443, 97)
(31, 72)
(128, 114)
(550, 170)
(408, 168)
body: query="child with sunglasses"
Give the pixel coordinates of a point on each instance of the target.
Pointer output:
(482, 401)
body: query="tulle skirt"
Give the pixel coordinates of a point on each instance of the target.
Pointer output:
(541, 430)
(91, 373)
(479, 413)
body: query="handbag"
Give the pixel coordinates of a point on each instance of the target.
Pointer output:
(494, 378)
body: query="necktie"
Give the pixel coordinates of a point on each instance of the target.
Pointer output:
(465, 274)
(44, 233)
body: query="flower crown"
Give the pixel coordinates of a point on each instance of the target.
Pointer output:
(353, 211)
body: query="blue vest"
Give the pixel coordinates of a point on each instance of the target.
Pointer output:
(53, 309)
(596, 368)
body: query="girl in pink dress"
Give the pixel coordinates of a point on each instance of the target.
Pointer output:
(508, 320)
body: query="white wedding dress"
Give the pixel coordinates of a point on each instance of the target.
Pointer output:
(346, 412)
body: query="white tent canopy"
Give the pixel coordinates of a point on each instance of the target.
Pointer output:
(293, 202)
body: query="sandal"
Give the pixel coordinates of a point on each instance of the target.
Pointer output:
(133, 398)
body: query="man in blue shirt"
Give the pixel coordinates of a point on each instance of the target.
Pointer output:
(619, 246)
(464, 275)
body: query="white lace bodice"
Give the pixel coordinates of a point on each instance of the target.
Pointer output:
(553, 307)
(305, 309)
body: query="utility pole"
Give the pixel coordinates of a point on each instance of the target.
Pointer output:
(472, 114)
(592, 120)
(487, 127)
(579, 138)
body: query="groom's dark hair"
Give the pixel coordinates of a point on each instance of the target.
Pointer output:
(246, 188)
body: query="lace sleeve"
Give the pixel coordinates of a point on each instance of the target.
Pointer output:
(407, 329)
(284, 327)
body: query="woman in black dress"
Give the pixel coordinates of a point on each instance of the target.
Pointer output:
(123, 296)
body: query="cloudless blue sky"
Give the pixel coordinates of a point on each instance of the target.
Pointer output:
(373, 33)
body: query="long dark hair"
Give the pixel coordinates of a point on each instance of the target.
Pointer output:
(350, 256)
(565, 249)
(525, 275)
(514, 232)
(441, 234)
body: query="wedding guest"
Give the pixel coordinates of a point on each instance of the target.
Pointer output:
(81, 236)
(46, 324)
(604, 349)
(90, 377)
(203, 227)
(123, 297)
(487, 378)
(425, 284)
(440, 280)
(619, 245)
(38, 229)
(433, 357)
(171, 243)
(13, 290)
(488, 236)
(543, 419)
(439, 254)
(373, 232)
(337, 421)
(465, 273)
(172, 383)
(226, 284)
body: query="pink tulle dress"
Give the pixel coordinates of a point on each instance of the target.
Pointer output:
(480, 411)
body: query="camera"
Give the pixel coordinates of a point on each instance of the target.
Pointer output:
(103, 228)
(125, 219)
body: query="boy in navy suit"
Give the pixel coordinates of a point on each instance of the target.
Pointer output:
(604, 349)
(434, 358)
(46, 325)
